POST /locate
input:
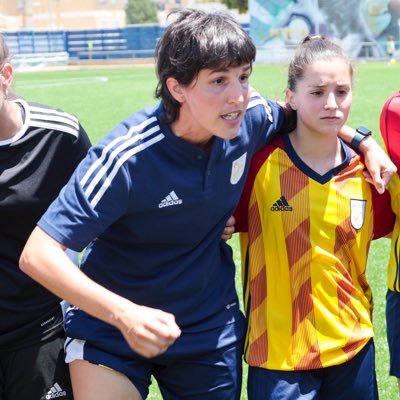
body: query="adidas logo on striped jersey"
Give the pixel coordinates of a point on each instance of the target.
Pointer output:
(281, 205)
(171, 200)
(55, 392)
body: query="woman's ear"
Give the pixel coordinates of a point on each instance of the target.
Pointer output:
(290, 98)
(175, 89)
(6, 76)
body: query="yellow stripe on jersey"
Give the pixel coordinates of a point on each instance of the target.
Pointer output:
(304, 261)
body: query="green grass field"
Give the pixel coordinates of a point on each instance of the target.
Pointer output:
(103, 97)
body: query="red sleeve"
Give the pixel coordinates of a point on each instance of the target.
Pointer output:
(241, 212)
(384, 217)
(390, 127)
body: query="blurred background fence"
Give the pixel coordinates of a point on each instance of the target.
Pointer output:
(29, 48)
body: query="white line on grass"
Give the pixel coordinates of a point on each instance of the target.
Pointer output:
(63, 82)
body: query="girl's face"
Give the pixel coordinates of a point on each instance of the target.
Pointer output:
(323, 96)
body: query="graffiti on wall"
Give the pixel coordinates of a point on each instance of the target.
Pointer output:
(362, 27)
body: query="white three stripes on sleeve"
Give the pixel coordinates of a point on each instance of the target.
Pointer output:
(53, 119)
(117, 166)
(106, 170)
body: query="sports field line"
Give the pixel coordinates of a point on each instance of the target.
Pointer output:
(63, 81)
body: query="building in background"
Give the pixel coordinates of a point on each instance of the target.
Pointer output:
(61, 14)
(16, 15)
(43, 33)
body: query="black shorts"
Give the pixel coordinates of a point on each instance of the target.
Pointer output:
(37, 372)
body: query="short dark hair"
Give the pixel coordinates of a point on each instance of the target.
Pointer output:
(196, 40)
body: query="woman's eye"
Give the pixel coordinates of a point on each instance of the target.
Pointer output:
(218, 81)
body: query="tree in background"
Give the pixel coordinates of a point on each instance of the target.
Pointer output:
(241, 5)
(141, 12)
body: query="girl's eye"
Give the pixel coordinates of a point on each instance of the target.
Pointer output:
(244, 78)
(317, 93)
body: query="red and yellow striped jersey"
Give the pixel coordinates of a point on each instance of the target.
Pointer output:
(304, 257)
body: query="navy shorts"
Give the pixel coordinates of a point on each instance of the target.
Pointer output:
(352, 380)
(393, 330)
(199, 365)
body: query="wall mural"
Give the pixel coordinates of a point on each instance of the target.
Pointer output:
(362, 27)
